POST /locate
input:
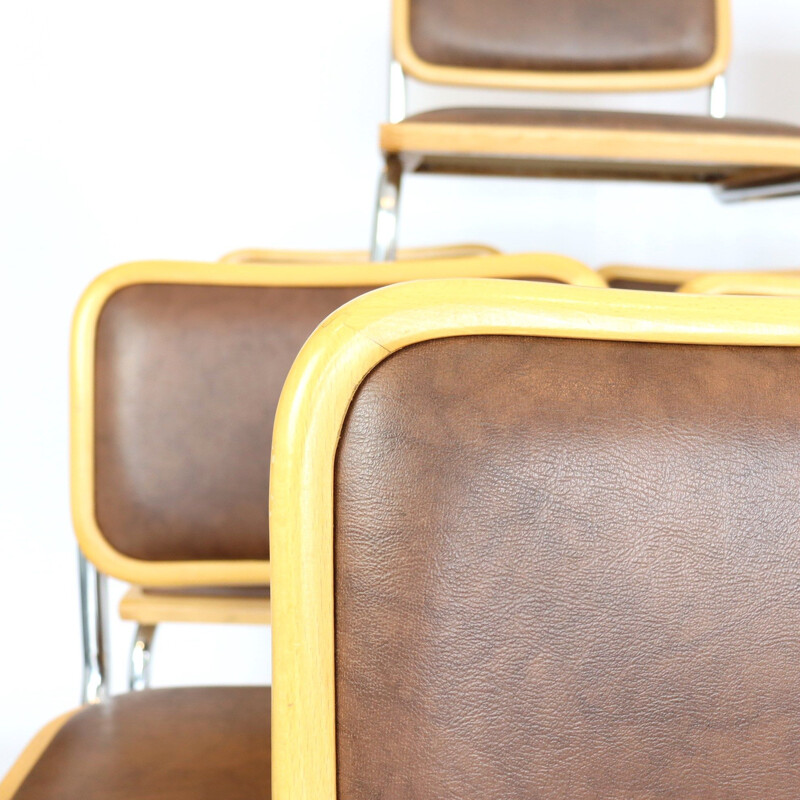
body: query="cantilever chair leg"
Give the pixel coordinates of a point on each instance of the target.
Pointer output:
(141, 652)
(94, 632)
(384, 231)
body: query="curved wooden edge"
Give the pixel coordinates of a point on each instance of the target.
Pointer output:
(622, 81)
(786, 284)
(637, 274)
(224, 573)
(31, 755)
(312, 408)
(262, 256)
(439, 138)
(152, 608)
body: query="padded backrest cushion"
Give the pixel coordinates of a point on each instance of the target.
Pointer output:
(564, 35)
(570, 569)
(187, 383)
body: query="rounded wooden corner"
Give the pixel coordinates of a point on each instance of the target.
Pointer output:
(311, 412)
(619, 81)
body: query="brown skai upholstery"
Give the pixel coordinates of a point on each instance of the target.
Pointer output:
(604, 120)
(187, 382)
(568, 569)
(170, 744)
(642, 286)
(564, 35)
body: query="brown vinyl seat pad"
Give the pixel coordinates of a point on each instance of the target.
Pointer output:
(161, 744)
(575, 119)
(569, 569)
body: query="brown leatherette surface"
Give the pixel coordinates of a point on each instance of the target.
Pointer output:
(604, 120)
(643, 285)
(570, 570)
(187, 383)
(161, 744)
(564, 35)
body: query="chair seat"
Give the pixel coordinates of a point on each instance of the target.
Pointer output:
(162, 744)
(609, 144)
(228, 605)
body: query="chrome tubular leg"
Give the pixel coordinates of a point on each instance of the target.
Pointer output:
(718, 97)
(384, 231)
(141, 652)
(93, 631)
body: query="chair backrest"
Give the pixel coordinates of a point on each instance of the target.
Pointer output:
(177, 370)
(539, 541)
(754, 283)
(581, 45)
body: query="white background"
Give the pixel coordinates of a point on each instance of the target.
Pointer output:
(178, 129)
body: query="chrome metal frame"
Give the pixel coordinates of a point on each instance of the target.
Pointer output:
(383, 246)
(384, 230)
(740, 194)
(718, 97)
(94, 631)
(140, 659)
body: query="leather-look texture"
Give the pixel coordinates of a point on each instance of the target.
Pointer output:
(570, 570)
(643, 285)
(187, 382)
(161, 744)
(564, 35)
(604, 120)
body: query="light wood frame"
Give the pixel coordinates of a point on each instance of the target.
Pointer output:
(785, 284)
(618, 81)
(153, 608)
(235, 573)
(315, 400)
(262, 256)
(593, 144)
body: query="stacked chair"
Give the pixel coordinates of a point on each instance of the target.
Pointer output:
(177, 369)
(573, 46)
(474, 551)
(521, 528)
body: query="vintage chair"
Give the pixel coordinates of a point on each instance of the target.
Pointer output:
(261, 256)
(176, 374)
(573, 45)
(538, 541)
(753, 283)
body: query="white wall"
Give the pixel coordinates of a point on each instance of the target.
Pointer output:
(177, 129)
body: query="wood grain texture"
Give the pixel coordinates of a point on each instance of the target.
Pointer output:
(153, 608)
(663, 147)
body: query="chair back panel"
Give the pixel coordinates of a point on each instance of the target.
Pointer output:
(569, 569)
(564, 35)
(187, 382)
